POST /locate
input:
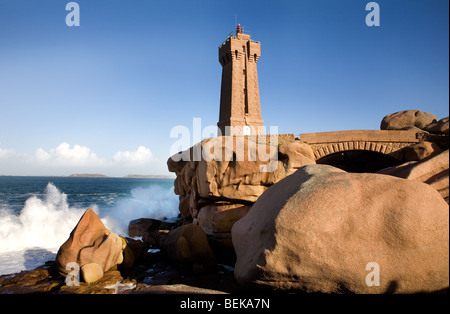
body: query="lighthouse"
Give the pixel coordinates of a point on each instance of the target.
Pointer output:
(240, 111)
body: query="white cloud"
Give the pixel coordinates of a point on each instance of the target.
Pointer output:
(66, 159)
(141, 156)
(64, 155)
(6, 153)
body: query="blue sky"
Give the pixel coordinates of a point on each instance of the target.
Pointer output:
(104, 96)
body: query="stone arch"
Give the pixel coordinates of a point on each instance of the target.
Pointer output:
(359, 156)
(325, 149)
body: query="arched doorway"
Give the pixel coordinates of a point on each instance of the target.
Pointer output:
(359, 161)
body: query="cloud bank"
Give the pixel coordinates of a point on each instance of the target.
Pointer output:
(66, 159)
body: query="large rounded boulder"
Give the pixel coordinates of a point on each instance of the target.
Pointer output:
(324, 230)
(406, 119)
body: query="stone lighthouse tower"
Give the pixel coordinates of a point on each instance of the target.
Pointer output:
(239, 96)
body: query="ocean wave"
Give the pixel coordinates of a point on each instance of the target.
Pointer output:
(33, 236)
(151, 202)
(46, 221)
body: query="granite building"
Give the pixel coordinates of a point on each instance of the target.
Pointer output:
(239, 96)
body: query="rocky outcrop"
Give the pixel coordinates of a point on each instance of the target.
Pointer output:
(154, 278)
(421, 151)
(138, 227)
(217, 220)
(441, 126)
(40, 280)
(432, 134)
(236, 170)
(407, 119)
(188, 244)
(220, 178)
(433, 171)
(318, 229)
(92, 246)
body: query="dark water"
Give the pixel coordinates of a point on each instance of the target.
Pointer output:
(81, 192)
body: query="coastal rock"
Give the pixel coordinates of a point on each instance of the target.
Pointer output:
(235, 171)
(91, 272)
(105, 285)
(39, 280)
(318, 229)
(421, 151)
(296, 155)
(441, 126)
(133, 250)
(139, 280)
(137, 227)
(90, 242)
(189, 244)
(217, 220)
(232, 169)
(219, 179)
(433, 171)
(407, 118)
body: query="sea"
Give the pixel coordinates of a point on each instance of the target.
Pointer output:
(37, 214)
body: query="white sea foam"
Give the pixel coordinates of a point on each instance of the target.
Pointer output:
(44, 224)
(152, 202)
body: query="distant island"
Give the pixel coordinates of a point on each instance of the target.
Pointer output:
(88, 175)
(132, 176)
